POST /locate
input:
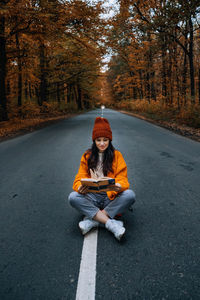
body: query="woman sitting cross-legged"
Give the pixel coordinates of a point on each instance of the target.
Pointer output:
(99, 161)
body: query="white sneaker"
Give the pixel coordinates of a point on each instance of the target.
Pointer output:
(86, 225)
(119, 222)
(114, 226)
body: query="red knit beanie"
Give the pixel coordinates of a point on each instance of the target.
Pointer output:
(101, 129)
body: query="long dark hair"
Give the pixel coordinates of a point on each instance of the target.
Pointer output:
(107, 158)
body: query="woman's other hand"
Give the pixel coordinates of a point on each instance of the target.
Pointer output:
(83, 189)
(117, 187)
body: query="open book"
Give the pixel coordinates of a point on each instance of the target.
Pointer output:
(102, 184)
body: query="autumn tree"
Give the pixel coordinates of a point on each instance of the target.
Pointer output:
(155, 41)
(50, 51)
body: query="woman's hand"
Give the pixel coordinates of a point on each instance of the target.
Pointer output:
(83, 189)
(93, 174)
(117, 187)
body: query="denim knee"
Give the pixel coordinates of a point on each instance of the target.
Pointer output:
(73, 198)
(130, 195)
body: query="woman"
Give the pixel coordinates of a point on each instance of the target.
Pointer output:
(102, 160)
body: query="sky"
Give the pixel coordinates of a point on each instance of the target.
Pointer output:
(112, 6)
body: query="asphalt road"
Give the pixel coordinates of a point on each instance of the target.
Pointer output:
(40, 241)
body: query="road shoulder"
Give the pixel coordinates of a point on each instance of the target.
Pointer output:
(186, 131)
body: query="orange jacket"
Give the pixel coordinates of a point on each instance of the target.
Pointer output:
(119, 173)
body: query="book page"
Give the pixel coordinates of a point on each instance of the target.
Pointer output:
(95, 180)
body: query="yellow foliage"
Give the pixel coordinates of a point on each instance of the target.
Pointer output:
(31, 110)
(189, 115)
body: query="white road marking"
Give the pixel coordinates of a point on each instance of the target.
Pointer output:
(87, 274)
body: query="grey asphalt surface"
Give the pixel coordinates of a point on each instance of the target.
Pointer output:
(41, 245)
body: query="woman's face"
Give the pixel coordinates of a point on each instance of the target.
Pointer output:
(102, 143)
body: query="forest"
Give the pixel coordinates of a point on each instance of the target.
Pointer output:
(52, 58)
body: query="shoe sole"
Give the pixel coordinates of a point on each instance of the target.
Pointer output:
(120, 236)
(85, 232)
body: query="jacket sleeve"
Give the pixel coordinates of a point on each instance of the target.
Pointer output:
(82, 173)
(121, 173)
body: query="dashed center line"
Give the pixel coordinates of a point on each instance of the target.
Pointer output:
(87, 273)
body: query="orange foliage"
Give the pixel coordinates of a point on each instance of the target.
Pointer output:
(53, 53)
(156, 49)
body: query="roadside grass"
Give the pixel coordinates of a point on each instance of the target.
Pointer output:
(187, 115)
(30, 116)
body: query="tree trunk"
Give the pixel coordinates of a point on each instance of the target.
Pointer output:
(3, 60)
(141, 85)
(43, 82)
(30, 90)
(26, 90)
(68, 93)
(184, 87)
(163, 74)
(19, 63)
(199, 86)
(153, 92)
(78, 98)
(149, 69)
(148, 85)
(62, 91)
(58, 92)
(191, 61)
(135, 92)
(177, 78)
(169, 73)
(8, 90)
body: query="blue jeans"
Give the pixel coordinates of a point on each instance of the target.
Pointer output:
(90, 203)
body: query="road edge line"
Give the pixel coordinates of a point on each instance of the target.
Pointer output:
(87, 273)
